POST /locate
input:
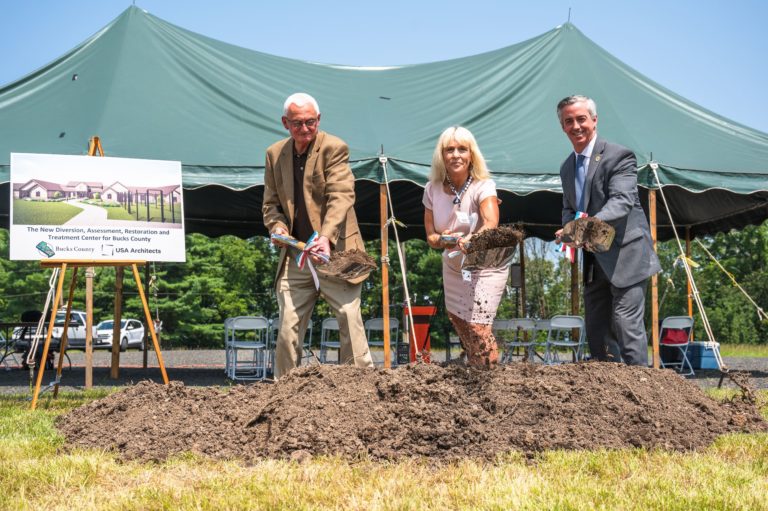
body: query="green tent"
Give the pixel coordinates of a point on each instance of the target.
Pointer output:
(150, 89)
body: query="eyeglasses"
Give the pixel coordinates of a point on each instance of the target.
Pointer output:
(309, 123)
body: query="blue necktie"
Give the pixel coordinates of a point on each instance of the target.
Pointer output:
(581, 176)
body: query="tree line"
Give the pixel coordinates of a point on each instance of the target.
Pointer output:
(229, 276)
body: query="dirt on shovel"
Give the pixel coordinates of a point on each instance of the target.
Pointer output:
(348, 265)
(590, 232)
(500, 237)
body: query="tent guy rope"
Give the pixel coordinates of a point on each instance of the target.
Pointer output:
(694, 288)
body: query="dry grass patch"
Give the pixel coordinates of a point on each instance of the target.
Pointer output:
(35, 474)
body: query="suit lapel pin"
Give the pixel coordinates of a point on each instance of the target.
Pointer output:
(597, 158)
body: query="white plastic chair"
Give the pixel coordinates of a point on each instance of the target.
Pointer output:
(675, 332)
(561, 335)
(515, 334)
(246, 347)
(374, 332)
(329, 338)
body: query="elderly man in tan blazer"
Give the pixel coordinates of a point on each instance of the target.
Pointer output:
(308, 187)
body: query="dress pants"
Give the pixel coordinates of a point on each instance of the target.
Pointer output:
(296, 297)
(615, 320)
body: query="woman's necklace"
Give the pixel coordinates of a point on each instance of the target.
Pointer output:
(458, 194)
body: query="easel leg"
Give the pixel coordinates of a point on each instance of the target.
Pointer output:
(64, 336)
(150, 323)
(114, 371)
(48, 335)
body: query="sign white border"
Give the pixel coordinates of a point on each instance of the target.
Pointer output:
(48, 190)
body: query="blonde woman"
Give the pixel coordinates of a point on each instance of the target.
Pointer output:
(460, 200)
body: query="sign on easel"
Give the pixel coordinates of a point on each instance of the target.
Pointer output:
(103, 209)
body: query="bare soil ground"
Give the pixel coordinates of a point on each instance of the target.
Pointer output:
(446, 413)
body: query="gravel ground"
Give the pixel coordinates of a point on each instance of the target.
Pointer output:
(206, 368)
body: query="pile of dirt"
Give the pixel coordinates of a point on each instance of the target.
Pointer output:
(442, 412)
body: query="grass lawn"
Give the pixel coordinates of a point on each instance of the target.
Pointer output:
(36, 473)
(744, 350)
(154, 213)
(118, 213)
(42, 213)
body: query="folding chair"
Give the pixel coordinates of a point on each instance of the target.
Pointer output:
(227, 328)
(675, 332)
(329, 338)
(514, 335)
(374, 332)
(247, 347)
(561, 335)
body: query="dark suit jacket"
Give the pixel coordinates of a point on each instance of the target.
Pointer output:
(329, 192)
(611, 195)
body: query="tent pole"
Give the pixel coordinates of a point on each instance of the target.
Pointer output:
(523, 313)
(575, 284)
(401, 259)
(654, 282)
(687, 281)
(385, 271)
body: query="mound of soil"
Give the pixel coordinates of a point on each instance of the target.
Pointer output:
(442, 412)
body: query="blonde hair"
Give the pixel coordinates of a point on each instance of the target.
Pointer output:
(477, 167)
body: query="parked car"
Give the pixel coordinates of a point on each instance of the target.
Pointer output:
(75, 330)
(131, 334)
(22, 336)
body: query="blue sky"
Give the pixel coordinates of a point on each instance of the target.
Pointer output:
(713, 52)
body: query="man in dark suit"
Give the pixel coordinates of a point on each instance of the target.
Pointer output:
(309, 187)
(600, 179)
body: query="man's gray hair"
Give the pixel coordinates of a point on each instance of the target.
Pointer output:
(576, 98)
(300, 99)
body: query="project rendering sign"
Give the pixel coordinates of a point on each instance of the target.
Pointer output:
(95, 208)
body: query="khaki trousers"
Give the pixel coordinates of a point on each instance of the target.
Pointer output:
(296, 297)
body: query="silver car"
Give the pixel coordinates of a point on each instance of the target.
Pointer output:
(131, 334)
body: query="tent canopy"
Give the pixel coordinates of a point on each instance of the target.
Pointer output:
(152, 90)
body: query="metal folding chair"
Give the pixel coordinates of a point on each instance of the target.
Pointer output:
(247, 347)
(374, 332)
(329, 338)
(565, 332)
(675, 332)
(516, 337)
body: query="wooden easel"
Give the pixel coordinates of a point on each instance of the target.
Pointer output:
(62, 265)
(94, 147)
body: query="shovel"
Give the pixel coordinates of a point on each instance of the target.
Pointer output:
(348, 265)
(589, 232)
(492, 248)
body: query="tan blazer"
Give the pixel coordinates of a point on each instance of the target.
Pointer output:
(329, 192)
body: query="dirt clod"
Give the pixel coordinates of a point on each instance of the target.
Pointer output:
(590, 232)
(442, 412)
